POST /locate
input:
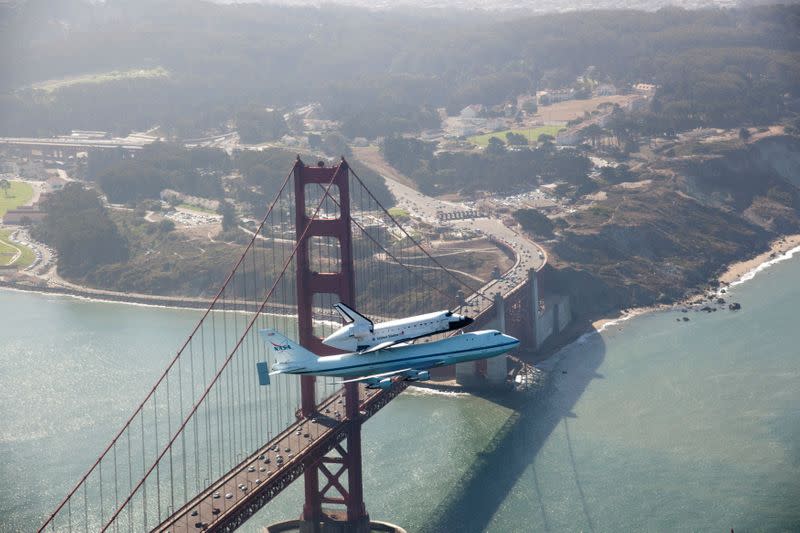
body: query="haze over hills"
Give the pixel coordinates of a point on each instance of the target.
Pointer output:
(676, 102)
(545, 6)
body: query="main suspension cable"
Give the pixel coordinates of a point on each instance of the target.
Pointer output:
(451, 274)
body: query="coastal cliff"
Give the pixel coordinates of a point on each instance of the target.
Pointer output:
(666, 236)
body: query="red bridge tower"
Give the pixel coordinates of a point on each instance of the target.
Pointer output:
(339, 471)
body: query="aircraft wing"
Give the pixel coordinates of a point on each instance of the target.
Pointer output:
(402, 373)
(378, 376)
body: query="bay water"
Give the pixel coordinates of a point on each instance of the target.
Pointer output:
(654, 424)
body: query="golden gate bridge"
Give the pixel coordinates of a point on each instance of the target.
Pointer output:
(208, 447)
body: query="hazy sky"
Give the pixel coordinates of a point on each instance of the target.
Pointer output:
(531, 5)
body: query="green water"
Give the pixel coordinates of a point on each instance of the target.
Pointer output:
(655, 426)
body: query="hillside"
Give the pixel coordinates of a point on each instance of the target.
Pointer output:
(668, 235)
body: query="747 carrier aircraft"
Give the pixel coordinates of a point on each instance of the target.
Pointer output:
(382, 367)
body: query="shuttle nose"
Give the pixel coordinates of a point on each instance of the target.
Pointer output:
(334, 338)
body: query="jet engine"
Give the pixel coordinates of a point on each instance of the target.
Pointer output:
(422, 375)
(385, 383)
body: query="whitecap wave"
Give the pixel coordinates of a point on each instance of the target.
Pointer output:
(765, 265)
(430, 391)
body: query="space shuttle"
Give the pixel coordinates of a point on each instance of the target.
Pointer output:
(362, 335)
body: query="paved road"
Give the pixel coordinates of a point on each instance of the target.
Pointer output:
(528, 253)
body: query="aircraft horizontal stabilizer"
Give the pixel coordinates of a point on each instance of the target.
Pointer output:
(263, 373)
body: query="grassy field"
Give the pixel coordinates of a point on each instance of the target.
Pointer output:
(19, 194)
(197, 209)
(399, 213)
(102, 77)
(532, 134)
(8, 250)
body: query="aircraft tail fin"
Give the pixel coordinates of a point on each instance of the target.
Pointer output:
(351, 316)
(284, 349)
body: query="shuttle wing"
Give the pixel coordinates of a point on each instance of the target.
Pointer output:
(350, 316)
(380, 346)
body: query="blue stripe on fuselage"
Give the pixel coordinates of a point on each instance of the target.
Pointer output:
(400, 361)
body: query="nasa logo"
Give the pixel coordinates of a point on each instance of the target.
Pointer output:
(280, 347)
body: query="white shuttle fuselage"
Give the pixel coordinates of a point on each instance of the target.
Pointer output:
(360, 334)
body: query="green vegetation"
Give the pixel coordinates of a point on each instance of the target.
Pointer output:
(197, 208)
(601, 211)
(79, 228)
(532, 134)
(17, 194)
(496, 169)
(264, 172)
(534, 222)
(103, 77)
(229, 221)
(618, 174)
(9, 249)
(157, 167)
(713, 67)
(399, 213)
(257, 125)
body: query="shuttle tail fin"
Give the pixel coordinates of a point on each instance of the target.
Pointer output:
(284, 349)
(351, 316)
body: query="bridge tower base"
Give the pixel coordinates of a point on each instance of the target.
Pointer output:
(342, 467)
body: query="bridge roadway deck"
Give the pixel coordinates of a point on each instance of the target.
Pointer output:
(238, 495)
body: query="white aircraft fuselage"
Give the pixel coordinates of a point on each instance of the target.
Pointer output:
(410, 360)
(360, 333)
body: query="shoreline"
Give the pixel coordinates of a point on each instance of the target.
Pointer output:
(162, 302)
(780, 249)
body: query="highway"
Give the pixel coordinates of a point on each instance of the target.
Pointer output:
(527, 253)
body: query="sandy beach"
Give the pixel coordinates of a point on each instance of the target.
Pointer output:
(735, 272)
(778, 247)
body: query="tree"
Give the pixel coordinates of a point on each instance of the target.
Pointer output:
(534, 222)
(257, 125)
(619, 174)
(516, 139)
(530, 106)
(228, 213)
(495, 147)
(546, 139)
(77, 225)
(593, 132)
(744, 134)
(335, 144)
(166, 225)
(5, 185)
